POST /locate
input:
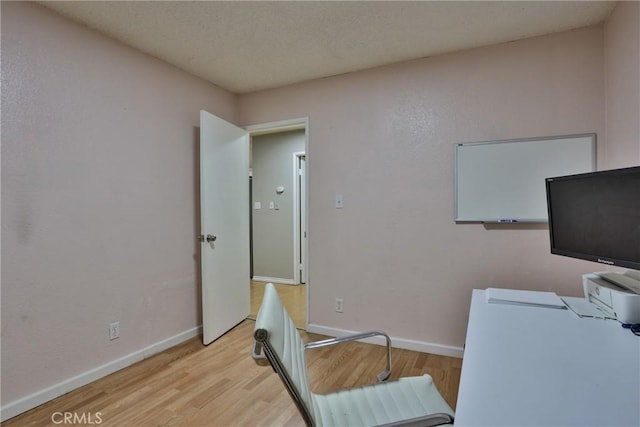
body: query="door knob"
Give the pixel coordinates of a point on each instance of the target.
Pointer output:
(211, 238)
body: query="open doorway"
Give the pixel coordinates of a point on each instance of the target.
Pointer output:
(278, 203)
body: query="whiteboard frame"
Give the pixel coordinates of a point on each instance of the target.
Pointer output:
(593, 137)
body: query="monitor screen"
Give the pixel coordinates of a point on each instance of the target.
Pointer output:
(596, 216)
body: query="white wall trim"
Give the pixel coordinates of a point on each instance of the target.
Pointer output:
(278, 126)
(19, 406)
(274, 280)
(407, 344)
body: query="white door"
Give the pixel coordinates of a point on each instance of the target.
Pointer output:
(224, 224)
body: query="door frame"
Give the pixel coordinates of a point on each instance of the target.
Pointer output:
(299, 219)
(283, 126)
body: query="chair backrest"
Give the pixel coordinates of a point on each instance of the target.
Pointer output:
(284, 349)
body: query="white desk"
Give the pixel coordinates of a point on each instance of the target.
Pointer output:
(546, 367)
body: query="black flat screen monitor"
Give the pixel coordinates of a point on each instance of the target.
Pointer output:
(596, 216)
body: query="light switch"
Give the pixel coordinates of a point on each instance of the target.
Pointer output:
(339, 201)
(257, 205)
(271, 205)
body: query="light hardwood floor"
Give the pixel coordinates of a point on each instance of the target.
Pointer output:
(293, 297)
(220, 384)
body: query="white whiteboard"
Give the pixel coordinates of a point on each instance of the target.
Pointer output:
(504, 181)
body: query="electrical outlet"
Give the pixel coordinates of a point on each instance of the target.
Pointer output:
(339, 305)
(114, 330)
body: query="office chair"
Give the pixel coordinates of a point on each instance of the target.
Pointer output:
(409, 401)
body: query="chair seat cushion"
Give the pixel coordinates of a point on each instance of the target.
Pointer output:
(380, 403)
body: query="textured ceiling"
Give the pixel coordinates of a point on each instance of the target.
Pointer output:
(245, 46)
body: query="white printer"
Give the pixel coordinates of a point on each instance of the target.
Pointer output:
(614, 300)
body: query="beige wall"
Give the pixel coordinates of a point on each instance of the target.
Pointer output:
(622, 83)
(384, 139)
(99, 198)
(99, 184)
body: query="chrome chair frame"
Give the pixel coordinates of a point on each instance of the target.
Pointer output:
(382, 376)
(261, 345)
(263, 351)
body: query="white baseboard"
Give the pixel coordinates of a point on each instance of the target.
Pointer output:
(274, 280)
(19, 406)
(424, 347)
